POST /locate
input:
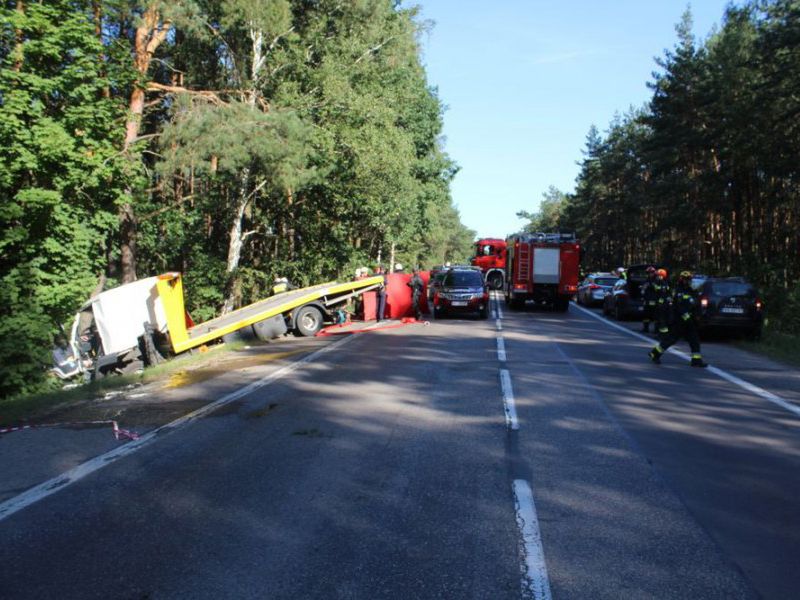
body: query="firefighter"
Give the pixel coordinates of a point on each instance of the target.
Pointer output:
(381, 295)
(417, 285)
(650, 289)
(663, 304)
(684, 306)
(621, 274)
(281, 284)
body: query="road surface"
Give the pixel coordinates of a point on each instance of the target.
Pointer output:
(533, 455)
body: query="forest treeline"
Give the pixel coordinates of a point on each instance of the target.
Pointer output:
(707, 175)
(231, 140)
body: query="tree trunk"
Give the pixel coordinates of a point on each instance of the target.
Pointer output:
(149, 36)
(235, 243)
(18, 42)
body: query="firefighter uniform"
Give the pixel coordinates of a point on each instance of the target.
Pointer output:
(650, 291)
(663, 307)
(684, 325)
(417, 285)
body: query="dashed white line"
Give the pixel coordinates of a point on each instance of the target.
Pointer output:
(766, 395)
(51, 486)
(535, 582)
(508, 400)
(501, 349)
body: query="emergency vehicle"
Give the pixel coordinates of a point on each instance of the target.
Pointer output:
(542, 267)
(490, 257)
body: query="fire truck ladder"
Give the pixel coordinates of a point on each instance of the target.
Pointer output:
(524, 261)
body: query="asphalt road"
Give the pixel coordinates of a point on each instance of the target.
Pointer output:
(388, 468)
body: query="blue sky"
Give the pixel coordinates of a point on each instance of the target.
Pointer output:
(523, 80)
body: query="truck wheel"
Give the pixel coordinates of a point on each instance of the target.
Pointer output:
(484, 313)
(561, 304)
(495, 281)
(307, 321)
(619, 315)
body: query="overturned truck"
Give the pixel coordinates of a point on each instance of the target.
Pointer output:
(147, 318)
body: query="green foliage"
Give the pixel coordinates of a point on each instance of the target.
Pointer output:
(706, 176)
(58, 180)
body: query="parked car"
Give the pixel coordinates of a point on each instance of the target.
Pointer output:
(592, 290)
(625, 299)
(462, 290)
(731, 304)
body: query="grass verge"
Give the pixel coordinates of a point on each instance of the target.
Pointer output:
(774, 344)
(26, 408)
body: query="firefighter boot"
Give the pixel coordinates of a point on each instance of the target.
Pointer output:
(655, 354)
(697, 361)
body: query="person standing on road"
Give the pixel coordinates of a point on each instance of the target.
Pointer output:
(381, 295)
(650, 298)
(663, 305)
(684, 325)
(417, 285)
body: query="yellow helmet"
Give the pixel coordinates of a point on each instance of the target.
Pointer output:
(686, 274)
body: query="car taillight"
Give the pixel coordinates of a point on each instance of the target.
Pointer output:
(519, 286)
(594, 286)
(704, 302)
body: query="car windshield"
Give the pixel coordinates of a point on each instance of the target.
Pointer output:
(606, 281)
(463, 279)
(731, 288)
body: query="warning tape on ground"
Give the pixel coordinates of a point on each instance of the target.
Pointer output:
(118, 432)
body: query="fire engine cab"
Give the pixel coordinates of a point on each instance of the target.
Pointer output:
(542, 267)
(490, 257)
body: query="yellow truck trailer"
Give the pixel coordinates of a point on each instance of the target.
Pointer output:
(303, 310)
(117, 326)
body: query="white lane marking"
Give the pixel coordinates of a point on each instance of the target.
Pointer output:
(499, 325)
(535, 582)
(501, 349)
(746, 385)
(51, 486)
(508, 400)
(499, 310)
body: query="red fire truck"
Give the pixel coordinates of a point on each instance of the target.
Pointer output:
(542, 267)
(490, 256)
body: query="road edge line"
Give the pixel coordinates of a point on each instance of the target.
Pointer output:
(75, 474)
(746, 385)
(508, 400)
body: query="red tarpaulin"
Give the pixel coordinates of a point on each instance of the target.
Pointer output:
(398, 297)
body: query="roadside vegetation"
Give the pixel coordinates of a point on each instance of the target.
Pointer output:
(231, 141)
(705, 176)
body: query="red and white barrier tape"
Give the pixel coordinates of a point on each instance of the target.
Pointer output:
(119, 433)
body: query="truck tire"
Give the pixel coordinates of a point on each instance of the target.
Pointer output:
(484, 313)
(561, 304)
(271, 328)
(495, 281)
(307, 321)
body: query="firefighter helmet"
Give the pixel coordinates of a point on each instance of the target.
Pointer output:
(650, 269)
(686, 274)
(662, 273)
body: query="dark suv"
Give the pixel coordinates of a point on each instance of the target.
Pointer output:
(461, 290)
(732, 304)
(625, 299)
